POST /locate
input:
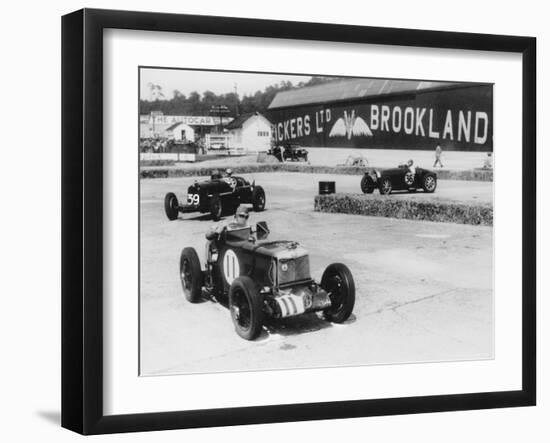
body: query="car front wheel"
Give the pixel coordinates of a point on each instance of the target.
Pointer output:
(338, 282)
(191, 275)
(246, 307)
(367, 185)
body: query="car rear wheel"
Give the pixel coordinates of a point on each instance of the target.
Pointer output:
(246, 307)
(171, 206)
(258, 199)
(385, 186)
(216, 207)
(191, 275)
(429, 183)
(367, 185)
(338, 282)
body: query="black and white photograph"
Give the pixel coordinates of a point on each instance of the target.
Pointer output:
(295, 221)
(275, 222)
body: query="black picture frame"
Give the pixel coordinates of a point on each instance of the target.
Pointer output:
(82, 216)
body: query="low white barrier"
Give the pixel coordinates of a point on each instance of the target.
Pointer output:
(176, 156)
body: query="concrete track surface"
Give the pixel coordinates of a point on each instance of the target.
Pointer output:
(424, 289)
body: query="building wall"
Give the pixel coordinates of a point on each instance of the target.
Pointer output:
(176, 133)
(255, 135)
(458, 119)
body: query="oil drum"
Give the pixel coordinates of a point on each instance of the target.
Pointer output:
(327, 188)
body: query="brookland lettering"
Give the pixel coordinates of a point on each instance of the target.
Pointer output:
(459, 125)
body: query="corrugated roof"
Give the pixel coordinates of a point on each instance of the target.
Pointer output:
(171, 127)
(350, 89)
(239, 121)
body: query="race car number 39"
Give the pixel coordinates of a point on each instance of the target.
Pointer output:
(193, 199)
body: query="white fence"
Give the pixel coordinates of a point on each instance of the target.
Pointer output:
(176, 156)
(217, 141)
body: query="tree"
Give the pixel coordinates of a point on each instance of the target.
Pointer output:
(197, 104)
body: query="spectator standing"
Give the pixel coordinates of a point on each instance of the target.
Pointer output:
(488, 164)
(438, 152)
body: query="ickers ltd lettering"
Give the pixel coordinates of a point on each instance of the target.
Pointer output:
(302, 126)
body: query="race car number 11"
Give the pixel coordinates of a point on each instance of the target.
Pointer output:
(231, 268)
(193, 199)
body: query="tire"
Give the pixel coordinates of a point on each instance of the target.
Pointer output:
(258, 199)
(385, 186)
(216, 207)
(429, 183)
(191, 275)
(246, 308)
(171, 206)
(367, 187)
(338, 282)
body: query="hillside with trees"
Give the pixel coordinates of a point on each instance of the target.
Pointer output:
(200, 104)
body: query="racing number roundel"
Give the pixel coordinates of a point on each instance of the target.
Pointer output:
(231, 269)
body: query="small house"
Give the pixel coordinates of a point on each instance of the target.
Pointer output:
(180, 132)
(249, 132)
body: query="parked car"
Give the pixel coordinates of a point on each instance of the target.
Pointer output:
(403, 178)
(289, 152)
(263, 279)
(218, 196)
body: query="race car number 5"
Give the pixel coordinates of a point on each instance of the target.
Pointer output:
(193, 199)
(231, 268)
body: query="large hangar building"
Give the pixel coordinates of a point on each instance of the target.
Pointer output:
(386, 114)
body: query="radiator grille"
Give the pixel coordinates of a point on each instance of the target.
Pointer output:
(291, 270)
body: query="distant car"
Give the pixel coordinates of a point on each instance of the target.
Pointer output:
(218, 196)
(289, 152)
(262, 279)
(355, 162)
(402, 178)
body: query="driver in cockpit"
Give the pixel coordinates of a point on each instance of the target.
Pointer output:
(239, 221)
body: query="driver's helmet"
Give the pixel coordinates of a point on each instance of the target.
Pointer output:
(410, 162)
(229, 172)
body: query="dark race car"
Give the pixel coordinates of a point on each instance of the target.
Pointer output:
(402, 178)
(261, 279)
(218, 196)
(289, 152)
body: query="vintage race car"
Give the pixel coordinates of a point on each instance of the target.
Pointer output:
(261, 279)
(402, 178)
(289, 152)
(218, 196)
